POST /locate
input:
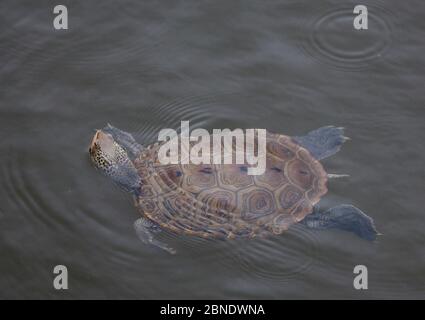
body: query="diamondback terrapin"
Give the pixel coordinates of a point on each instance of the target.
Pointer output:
(223, 200)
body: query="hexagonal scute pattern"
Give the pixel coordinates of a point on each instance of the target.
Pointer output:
(256, 203)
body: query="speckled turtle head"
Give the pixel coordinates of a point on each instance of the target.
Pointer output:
(112, 156)
(105, 152)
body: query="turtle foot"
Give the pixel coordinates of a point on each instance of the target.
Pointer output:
(344, 217)
(145, 230)
(323, 142)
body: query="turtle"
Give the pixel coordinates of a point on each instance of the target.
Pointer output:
(222, 200)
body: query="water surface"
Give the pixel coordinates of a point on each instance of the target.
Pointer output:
(287, 66)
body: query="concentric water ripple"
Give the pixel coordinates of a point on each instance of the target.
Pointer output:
(22, 195)
(201, 111)
(276, 258)
(32, 196)
(47, 220)
(333, 40)
(86, 47)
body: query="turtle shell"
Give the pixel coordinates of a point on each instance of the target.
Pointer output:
(223, 201)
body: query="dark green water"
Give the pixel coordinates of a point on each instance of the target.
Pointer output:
(287, 66)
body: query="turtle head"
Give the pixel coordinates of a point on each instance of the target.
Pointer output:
(111, 158)
(105, 152)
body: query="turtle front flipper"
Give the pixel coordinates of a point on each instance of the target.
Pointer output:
(145, 229)
(323, 142)
(345, 217)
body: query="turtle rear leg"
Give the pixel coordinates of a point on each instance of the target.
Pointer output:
(323, 142)
(146, 229)
(345, 217)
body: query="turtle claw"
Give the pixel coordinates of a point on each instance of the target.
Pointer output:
(336, 176)
(163, 246)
